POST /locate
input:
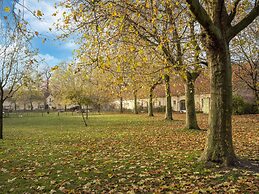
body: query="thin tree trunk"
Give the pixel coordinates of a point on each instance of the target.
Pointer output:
(83, 114)
(191, 119)
(1, 119)
(150, 102)
(87, 111)
(31, 105)
(99, 108)
(168, 110)
(219, 145)
(135, 111)
(83, 117)
(121, 105)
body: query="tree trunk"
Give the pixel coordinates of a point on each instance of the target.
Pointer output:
(99, 108)
(150, 103)
(256, 93)
(31, 105)
(216, 22)
(168, 109)
(1, 119)
(121, 105)
(135, 111)
(191, 119)
(219, 145)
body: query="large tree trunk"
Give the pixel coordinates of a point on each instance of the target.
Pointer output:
(216, 22)
(150, 102)
(256, 94)
(1, 119)
(135, 111)
(191, 119)
(168, 110)
(121, 105)
(219, 146)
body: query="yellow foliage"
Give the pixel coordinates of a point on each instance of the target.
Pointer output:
(39, 13)
(55, 68)
(7, 9)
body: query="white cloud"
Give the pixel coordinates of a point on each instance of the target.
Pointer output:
(48, 20)
(70, 45)
(49, 59)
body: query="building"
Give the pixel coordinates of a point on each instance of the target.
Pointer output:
(202, 103)
(202, 94)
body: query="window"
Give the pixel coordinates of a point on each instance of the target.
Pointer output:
(182, 105)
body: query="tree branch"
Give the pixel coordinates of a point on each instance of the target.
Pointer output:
(233, 11)
(203, 18)
(233, 31)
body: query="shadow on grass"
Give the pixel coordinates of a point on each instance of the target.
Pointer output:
(251, 165)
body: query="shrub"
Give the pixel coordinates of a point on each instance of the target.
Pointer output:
(159, 109)
(241, 107)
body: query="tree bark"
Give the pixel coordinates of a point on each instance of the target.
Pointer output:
(150, 102)
(135, 111)
(191, 119)
(219, 145)
(1, 118)
(121, 105)
(168, 110)
(31, 105)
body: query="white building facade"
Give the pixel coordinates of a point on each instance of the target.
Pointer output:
(202, 103)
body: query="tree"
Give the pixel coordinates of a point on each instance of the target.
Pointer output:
(111, 17)
(31, 89)
(152, 85)
(220, 27)
(15, 59)
(245, 54)
(68, 85)
(46, 75)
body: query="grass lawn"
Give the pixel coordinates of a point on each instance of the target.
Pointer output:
(120, 153)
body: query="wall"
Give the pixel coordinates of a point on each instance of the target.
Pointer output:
(201, 103)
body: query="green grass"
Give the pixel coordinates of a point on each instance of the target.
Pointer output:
(115, 153)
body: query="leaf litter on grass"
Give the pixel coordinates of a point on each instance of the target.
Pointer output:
(140, 156)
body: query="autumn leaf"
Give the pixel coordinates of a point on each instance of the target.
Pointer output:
(39, 13)
(7, 9)
(55, 68)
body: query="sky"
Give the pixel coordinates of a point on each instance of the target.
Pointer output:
(53, 51)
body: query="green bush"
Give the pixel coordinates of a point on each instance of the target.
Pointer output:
(241, 107)
(159, 109)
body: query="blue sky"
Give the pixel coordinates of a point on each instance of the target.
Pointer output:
(53, 51)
